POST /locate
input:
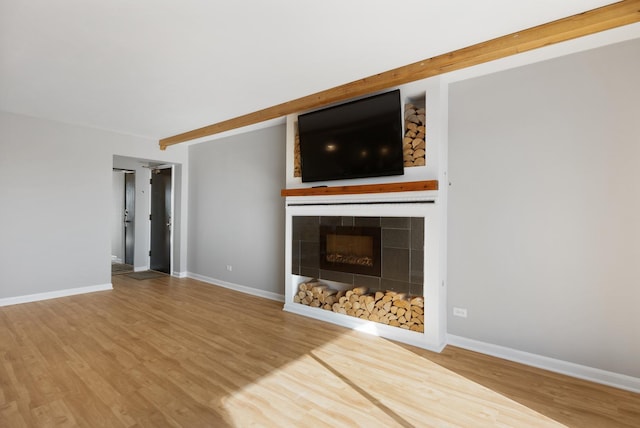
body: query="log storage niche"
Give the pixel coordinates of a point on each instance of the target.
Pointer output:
(386, 307)
(414, 142)
(297, 165)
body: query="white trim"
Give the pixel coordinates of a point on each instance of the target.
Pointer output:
(148, 219)
(179, 274)
(140, 268)
(173, 216)
(170, 166)
(591, 374)
(241, 288)
(54, 294)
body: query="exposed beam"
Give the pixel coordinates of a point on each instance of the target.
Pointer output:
(604, 18)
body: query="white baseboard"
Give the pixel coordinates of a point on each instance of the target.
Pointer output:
(242, 288)
(140, 268)
(591, 374)
(53, 294)
(179, 274)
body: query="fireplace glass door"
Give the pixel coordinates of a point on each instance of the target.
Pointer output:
(350, 249)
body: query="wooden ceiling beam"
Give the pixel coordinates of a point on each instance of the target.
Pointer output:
(604, 18)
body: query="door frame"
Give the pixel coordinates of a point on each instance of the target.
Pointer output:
(132, 227)
(172, 210)
(121, 192)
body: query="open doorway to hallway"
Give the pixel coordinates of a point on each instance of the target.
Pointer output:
(144, 231)
(123, 221)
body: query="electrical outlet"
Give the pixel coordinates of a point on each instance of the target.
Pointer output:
(229, 268)
(460, 312)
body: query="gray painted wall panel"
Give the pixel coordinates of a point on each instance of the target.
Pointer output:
(236, 212)
(56, 187)
(51, 200)
(543, 208)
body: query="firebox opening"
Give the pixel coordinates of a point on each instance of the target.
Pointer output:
(350, 249)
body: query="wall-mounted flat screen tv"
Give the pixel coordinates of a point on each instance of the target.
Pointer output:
(361, 138)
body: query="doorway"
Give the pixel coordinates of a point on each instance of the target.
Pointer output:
(161, 219)
(123, 226)
(129, 215)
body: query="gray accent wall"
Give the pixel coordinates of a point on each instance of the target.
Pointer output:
(544, 204)
(236, 211)
(56, 194)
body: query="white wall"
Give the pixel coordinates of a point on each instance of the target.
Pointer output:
(236, 212)
(543, 208)
(56, 193)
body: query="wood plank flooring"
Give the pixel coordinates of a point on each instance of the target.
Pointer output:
(180, 353)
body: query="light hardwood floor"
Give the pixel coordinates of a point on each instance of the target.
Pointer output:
(177, 352)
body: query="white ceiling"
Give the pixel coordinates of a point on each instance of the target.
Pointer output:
(156, 68)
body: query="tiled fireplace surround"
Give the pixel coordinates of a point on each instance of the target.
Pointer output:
(402, 252)
(411, 256)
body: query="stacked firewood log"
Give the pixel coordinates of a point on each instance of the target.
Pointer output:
(413, 144)
(386, 307)
(297, 165)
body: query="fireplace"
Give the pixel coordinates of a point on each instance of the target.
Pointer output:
(350, 249)
(329, 237)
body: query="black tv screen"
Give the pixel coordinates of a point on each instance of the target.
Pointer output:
(362, 138)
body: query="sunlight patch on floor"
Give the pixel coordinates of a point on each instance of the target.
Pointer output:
(339, 384)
